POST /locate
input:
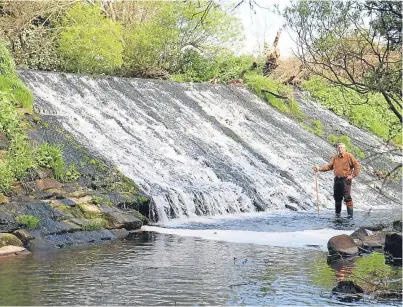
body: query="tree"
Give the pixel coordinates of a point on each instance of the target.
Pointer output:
(89, 41)
(170, 28)
(352, 44)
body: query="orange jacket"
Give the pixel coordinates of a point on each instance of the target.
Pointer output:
(342, 165)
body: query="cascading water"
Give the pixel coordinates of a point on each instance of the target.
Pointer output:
(196, 149)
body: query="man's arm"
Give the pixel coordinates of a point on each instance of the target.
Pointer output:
(326, 167)
(356, 166)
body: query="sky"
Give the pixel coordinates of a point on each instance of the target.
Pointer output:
(263, 26)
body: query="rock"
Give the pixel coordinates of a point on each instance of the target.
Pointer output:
(43, 173)
(48, 183)
(346, 286)
(64, 202)
(397, 226)
(360, 233)
(24, 235)
(81, 200)
(9, 239)
(342, 245)
(376, 227)
(3, 199)
(120, 233)
(123, 220)
(89, 208)
(292, 208)
(4, 142)
(393, 244)
(78, 194)
(376, 240)
(11, 250)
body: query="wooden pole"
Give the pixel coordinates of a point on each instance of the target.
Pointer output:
(317, 193)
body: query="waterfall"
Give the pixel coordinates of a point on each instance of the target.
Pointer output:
(196, 149)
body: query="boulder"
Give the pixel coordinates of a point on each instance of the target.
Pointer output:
(348, 291)
(9, 239)
(11, 250)
(24, 235)
(3, 199)
(48, 183)
(342, 245)
(376, 240)
(359, 234)
(123, 220)
(393, 244)
(397, 226)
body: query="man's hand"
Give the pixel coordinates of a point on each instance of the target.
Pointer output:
(349, 177)
(315, 168)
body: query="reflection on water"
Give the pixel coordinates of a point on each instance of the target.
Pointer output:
(160, 269)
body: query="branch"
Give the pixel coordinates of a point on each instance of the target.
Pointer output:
(274, 94)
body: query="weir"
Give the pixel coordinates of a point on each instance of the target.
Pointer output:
(196, 149)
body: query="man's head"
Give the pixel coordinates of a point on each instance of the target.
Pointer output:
(341, 148)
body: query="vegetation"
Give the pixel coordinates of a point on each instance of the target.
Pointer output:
(371, 113)
(355, 45)
(28, 221)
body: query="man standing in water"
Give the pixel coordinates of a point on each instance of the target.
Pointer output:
(345, 168)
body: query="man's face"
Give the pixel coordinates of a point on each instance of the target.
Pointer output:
(341, 149)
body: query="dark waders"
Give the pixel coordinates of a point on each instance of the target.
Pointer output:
(342, 189)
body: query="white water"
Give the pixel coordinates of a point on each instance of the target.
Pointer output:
(298, 239)
(195, 149)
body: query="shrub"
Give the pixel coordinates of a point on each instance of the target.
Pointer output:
(89, 41)
(28, 221)
(6, 178)
(51, 157)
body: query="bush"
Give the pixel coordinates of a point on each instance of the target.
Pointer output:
(6, 178)
(51, 157)
(11, 87)
(28, 221)
(20, 157)
(257, 82)
(89, 41)
(9, 121)
(370, 113)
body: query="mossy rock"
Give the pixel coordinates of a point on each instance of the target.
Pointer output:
(9, 239)
(3, 199)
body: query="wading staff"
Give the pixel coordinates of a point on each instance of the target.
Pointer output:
(317, 193)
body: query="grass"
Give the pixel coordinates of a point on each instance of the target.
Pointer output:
(28, 221)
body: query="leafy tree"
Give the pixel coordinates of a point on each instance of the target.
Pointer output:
(89, 41)
(352, 44)
(169, 30)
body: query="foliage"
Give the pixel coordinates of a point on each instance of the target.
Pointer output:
(71, 174)
(315, 127)
(9, 120)
(370, 113)
(51, 157)
(28, 221)
(356, 45)
(90, 42)
(257, 82)
(20, 157)
(37, 48)
(95, 224)
(11, 87)
(6, 178)
(171, 37)
(356, 151)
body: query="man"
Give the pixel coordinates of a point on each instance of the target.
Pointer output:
(345, 168)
